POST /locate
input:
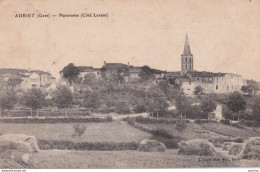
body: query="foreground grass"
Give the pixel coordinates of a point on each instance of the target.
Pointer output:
(229, 130)
(123, 159)
(116, 131)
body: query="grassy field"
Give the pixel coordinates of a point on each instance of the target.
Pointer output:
(193, 131)
(229, 131)
(205, 130)
(116, 131)
(126, 159)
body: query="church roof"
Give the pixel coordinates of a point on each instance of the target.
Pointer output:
(186, 50)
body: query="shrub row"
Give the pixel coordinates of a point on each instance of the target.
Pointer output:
(55, 120)
(200, 121)
(144, 120)
(170, 141)
(97, 146)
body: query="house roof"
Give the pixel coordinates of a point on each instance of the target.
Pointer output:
(156, 71)
(115, 66)
(135, 69)
(173, 74)
(39, 72)
(11, 71)
(204, 74)
(85, 68)
(184, 79)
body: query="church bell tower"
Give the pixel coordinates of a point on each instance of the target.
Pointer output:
(186, 58)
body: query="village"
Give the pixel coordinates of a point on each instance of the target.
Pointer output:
(115, 115)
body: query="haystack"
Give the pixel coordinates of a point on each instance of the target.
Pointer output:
(251, 149)
(197, 147)
(151, 146)
(16, 149)
(20, 142)
(235, 148)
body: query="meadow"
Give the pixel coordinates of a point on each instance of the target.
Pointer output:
(116, 131)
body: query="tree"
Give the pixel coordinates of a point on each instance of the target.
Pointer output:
(91, 100)
(146, 73)
(256, 110)
(12, 82)
(70, 72)
(62, 97)
(198, 90)
(182, 104)
(34, 99)
(208, 105)
(155, 100)
(236, 102)
(78, 131)
(169, 90)
(251, 88)
(7, 101)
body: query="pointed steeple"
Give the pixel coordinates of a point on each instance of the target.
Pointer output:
(186, 46)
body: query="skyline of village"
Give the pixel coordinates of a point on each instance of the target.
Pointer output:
(150, 35)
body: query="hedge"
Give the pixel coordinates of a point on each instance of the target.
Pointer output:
(97, 146)
(144, 120)
(54, 120)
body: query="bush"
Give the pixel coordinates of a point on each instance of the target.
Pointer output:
(109, 118)
(144, 120)
(246, 123)
(98, 146)
(226, 122)
(197, 147)
(122, 108)
(226, 146)
(169, 143)
(200, 121)
(162, 133)
(180, 125)
(239, 140)
(151, 146)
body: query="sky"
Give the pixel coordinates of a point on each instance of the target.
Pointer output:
(224, 35)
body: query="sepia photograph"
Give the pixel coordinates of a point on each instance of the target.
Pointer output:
(132, 84)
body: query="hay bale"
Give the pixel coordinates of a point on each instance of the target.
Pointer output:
(197, 147)
(151, 146)
(20, 142)
(251, 148)
(235, 148)
(226, 146)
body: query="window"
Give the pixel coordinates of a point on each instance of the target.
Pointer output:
(198, 78)
(98, 73)
(216, 87)
(34, 85)
(186, 59)
(217, 79)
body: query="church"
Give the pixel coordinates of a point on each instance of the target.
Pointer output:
(188, 78)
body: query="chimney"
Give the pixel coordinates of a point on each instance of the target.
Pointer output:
(105, 63)
(128, 64)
